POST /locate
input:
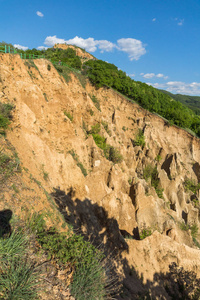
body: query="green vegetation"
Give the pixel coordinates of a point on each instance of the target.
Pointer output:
(102, 74)
(193, 228)
(100, 141)
(151, 173)
(89, 277)
(114, 155)
(158, 158)
(18, 277)
(64, 71)
(67, 56)
(96, 102)
(145, 233)
(89, 282)
(91, 112)
(190, 185)
(30, 64)
(67, 114)
(139, 139)
(184, 226)
(45, 97)
(95, 129)
(79, 164)
(193, 102)
(15, 188)
(130, 180)
(8, 165)
(66, 248)
(5, 116)
(45, 175)
(105, 125)
(110, 152)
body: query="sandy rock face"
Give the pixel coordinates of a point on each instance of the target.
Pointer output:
(113, 201)
(79, 52)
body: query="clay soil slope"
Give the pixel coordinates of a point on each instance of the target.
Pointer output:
(53, 130)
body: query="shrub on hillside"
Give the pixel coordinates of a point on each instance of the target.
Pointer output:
(90, 280)
(139, 139)
(151, 173)
(5, 116)
(110, 152)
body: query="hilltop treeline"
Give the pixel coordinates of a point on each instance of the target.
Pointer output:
(101, 73)
(193, 102)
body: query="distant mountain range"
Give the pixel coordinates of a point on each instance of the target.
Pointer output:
(193, 102)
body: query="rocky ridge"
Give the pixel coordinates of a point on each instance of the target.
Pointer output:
(79, 52)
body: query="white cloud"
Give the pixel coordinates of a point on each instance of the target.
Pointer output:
(42, 48)
(133, 47)
(149, 75)
(179, 87)
(162, 76)
(52, 40)
(154, 19)
(20, 47)
(131, 75)
(152, 75)
(39, 14)
(88, 44)
(180, 23)
(107, 46)
(159, 75)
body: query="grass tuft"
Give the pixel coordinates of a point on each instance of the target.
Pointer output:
(18, 276)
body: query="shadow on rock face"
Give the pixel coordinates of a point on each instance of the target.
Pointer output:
(5, 217)
(92, 221)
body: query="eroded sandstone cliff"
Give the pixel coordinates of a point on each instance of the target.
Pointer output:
(115, 203)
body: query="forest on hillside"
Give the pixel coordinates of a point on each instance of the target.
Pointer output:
(193, 102)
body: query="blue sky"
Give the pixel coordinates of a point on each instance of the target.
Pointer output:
(154, 41)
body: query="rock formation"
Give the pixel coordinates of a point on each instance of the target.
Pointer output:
(148, 225)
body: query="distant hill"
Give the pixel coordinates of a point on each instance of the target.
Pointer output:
(193, 102)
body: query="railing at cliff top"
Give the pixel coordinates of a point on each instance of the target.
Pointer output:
(9, 49)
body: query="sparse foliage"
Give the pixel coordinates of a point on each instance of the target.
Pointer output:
(110, 152)
(67, 114)
(79, 164)
(5, 116)
(96, 102)
(139, 139)
(151, 173)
